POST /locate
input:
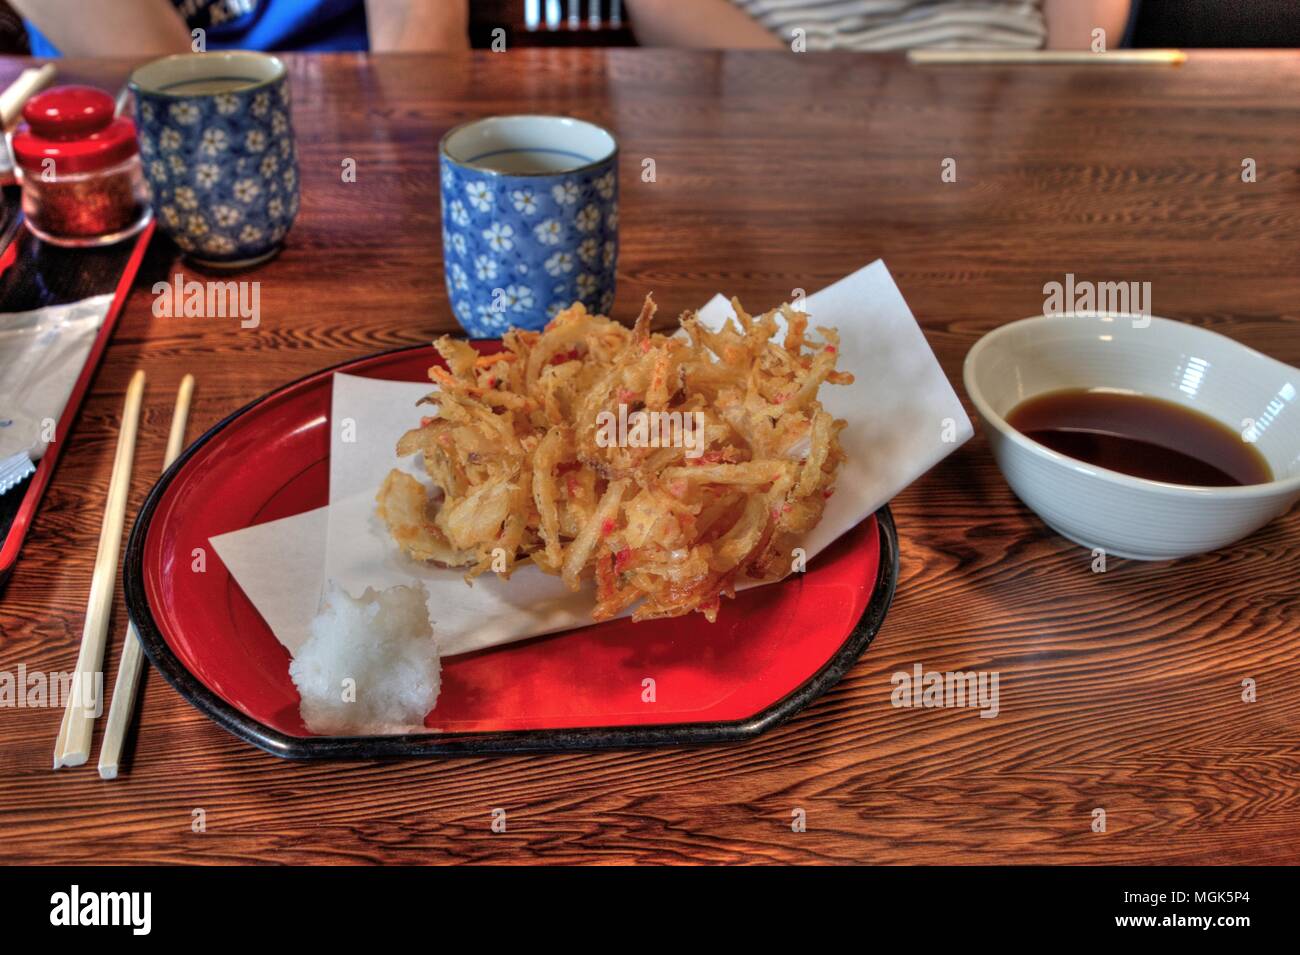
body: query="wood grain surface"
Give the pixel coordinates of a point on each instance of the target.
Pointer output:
(1119, 690)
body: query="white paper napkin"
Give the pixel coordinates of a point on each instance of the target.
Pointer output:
(279, 565)
(903, 417)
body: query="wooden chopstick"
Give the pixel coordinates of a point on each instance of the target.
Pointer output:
(29, 82)
(128, 671)
(1131, 57)
(73, 745)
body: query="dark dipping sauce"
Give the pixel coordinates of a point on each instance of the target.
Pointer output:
(1145, 437)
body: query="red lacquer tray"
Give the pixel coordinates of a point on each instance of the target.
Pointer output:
(772, 651)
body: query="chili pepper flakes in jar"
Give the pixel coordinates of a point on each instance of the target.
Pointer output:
(80, 170)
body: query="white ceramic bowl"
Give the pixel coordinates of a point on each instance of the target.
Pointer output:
(1128, 516)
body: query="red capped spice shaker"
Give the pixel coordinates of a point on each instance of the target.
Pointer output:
(79, 166)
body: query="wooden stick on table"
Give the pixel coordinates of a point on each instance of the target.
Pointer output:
(1131, 57)
(128, 671)
(29, 82)
(73, 745)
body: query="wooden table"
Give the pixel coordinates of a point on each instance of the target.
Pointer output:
(1119, 690)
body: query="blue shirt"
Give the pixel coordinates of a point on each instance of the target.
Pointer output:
(321, 25)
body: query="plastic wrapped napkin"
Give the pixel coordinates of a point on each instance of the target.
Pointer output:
(41, 354)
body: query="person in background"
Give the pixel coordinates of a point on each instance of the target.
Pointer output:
(158, 27)
(879, 24)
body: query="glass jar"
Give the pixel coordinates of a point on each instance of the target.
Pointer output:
(80, 170)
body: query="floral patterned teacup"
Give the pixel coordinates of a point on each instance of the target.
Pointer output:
(217, 144)
(529, 220)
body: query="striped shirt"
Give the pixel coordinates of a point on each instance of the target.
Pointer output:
(904, 24)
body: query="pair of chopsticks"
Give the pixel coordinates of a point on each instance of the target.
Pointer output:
(72, 748)
(1039, 57)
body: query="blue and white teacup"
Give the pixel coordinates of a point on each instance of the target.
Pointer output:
(529, 220)
(217, 143)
